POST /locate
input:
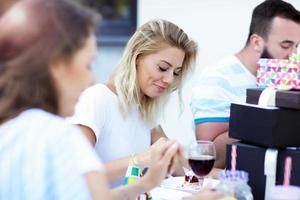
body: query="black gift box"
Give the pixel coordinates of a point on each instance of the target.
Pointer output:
(251, 159)
(266, 126)
(284, 99)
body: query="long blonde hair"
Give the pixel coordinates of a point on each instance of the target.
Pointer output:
(148, 39)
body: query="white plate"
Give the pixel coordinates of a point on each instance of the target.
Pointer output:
(161, 193)
(177, 183)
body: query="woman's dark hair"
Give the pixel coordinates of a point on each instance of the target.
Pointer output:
(35, 34)
(264, 13)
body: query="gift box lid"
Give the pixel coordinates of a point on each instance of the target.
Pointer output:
(284, 99)
(278, 65)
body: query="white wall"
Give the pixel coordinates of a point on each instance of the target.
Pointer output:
(219, 26)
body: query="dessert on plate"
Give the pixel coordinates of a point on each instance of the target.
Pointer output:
(190, 180)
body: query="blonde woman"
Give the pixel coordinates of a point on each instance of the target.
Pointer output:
(119, 117)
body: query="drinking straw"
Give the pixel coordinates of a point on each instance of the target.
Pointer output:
(233, 158)
(287, 171)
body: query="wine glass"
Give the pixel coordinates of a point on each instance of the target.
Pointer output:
(201, 156)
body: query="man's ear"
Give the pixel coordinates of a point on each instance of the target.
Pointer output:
(257, 42)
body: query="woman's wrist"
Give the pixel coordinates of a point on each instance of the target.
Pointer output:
(134, 160)
(139, 159)
(147, 182)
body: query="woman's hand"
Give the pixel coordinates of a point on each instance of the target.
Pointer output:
(144, 158)
(163, 158)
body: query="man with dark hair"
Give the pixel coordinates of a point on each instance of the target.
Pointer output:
(274, 33)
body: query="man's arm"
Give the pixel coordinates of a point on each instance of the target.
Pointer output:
(218, 133)
(211, 130)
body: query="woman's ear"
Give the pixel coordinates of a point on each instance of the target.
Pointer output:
(257, 42)
(58, 70)
(138, 61)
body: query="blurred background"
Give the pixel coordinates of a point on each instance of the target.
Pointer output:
(220, 28)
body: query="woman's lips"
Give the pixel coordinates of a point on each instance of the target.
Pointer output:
(161, 88)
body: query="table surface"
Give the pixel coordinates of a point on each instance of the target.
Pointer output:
(160, 193)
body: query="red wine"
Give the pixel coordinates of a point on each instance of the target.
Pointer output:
(201, 165)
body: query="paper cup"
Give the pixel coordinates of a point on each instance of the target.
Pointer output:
(280, 192)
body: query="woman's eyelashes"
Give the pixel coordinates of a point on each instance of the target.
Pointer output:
(164, 69)
(176, 73)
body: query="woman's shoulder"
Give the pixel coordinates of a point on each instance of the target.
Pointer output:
(36, 113)
(99, 90)
(37, 121)
(45, 119)
(95, 99)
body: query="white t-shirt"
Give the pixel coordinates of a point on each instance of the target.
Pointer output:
(44, 157)
(217, 87)
(117, 136)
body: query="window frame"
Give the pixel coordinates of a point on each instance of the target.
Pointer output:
(117, 31)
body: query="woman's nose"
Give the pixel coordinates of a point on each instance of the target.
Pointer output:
(168, 77)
